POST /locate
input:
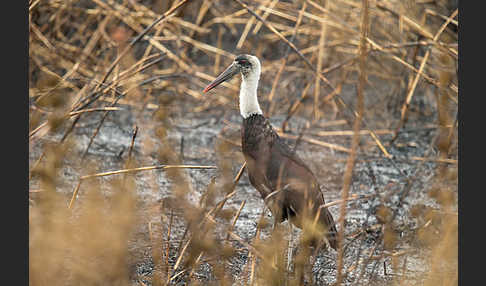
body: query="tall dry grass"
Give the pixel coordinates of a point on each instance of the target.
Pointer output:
(383, 65)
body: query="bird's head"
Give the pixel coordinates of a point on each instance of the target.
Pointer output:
(247, 65)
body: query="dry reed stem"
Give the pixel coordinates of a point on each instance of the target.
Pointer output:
(191, 274)
(352, 197)
(41, 37)
(235, 218)
(350, 132)
(157, 167)
(221, 203)
(316, 142)
(70, 114)
(132, 170)
(434, 13)
(130, 149)
(251, 248)
(146, 54)
(205, 6)
(265, 15)
(295, 106)
(247, 28)
(178, 261)
(355, 140)
(73, 113)
(75, 194)
(410, 22)
(33, 4)
(209, 48)
(372, 133)
(105, 115)
(227, 19)
(438, 160)
(320, 58)
(217, 58)
(274, 86)
(167, 247)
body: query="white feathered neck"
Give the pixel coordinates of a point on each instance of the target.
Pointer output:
(248, 90)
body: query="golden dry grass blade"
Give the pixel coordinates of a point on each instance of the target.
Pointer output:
(258, 26)
(295, 106)
(274, 86)
(316, 142)
(41, 37)
(350, 132)
(432, 12)
(205, 6)
(178, 261)
(75, 194)
(320, 59)
(207, 47)
(73, 113)
(217, 58)
(132, 170)
(247, 28)
(139, 169)
(235, 218)
(438, 160)
(417, 27)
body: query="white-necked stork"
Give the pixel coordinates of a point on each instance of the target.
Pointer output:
(287, 185)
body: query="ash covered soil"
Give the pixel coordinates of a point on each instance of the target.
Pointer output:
(377, 180)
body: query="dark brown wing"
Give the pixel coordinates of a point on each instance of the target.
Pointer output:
(303, 195)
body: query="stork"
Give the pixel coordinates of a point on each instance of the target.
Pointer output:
(287, 185)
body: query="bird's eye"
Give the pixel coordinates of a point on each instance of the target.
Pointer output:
(243, 61)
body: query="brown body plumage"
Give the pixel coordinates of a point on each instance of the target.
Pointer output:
(284, 181)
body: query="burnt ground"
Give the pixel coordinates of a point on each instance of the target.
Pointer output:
(195, 134)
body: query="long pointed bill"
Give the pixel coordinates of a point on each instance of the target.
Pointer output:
(224, 76)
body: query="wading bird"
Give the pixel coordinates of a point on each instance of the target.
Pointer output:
(287, 185)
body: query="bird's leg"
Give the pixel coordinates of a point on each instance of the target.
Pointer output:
(274, 228)
(279, 248)
(312, 261)
(290, 249)
(301, 261)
